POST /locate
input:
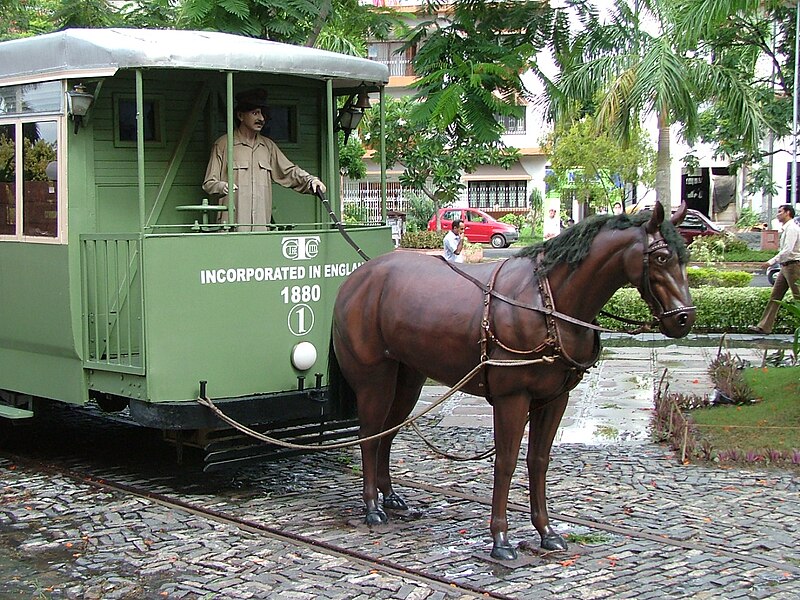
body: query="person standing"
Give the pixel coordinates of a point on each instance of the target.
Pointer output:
(257, 162)
(789, 277)
(552, 224)
(454, 242)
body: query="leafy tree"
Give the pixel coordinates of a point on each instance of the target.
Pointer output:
(351, 158)
(278, 20)
(86, 13)
(434, 156)
(338, 25)
(152, 14)
(602, 162)
(638, 73)
(22, 18)
(469, 63)
(350, 24)
(743, 35)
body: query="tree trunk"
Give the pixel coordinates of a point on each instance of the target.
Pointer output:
(663, 163)
(324, 13)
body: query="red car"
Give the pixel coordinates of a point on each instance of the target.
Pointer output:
(697, 224)
(480, 228)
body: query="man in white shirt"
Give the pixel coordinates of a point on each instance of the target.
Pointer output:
(552, 224)
(454, 242)
(789, 258)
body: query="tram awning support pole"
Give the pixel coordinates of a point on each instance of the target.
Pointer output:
(140, 146)
(384, 216)
(231, 188)
(333, 184)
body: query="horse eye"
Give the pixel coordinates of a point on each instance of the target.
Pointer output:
(662, 259)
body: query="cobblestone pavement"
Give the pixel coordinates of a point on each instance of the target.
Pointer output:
(730, 533)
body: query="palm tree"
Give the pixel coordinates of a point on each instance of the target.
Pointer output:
(629, 72)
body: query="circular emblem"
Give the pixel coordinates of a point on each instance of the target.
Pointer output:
(301, 319)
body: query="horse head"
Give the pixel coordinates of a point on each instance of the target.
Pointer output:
(662, 280)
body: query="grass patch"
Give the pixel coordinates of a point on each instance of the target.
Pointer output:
(773, 423)
(606, 431)
(587, 539)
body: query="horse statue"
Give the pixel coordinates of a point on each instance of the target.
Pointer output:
(403, 317)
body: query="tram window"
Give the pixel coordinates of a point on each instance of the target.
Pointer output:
(39, 171)
(39, 191)
(125, 121)
(31, 98)
(281, 126)
(8, 174)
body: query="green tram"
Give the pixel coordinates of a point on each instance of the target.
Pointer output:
(120, 284)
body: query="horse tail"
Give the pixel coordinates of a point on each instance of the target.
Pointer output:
(339, 390)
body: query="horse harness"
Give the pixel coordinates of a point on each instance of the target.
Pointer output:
(551, 348)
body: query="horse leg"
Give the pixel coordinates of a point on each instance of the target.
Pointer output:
(544, 424)
(375, 399)
(510, 414)
(409, 385)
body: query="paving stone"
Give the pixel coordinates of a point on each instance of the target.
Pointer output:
(144, 549)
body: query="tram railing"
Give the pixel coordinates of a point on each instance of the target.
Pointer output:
(113, 310)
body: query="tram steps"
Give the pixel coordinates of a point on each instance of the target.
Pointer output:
(232, 449)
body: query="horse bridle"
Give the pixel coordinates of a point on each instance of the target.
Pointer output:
(645, 289)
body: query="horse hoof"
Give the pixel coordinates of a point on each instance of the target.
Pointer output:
(503, 552)
(395, 502)
(553, 541)
(376, 517)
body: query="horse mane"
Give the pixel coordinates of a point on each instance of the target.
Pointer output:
(574, 243)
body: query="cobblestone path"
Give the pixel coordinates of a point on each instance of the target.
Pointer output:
(642, 526)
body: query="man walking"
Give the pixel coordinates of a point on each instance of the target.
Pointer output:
(789, 258)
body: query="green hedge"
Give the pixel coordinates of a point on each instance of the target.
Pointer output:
(427, 240)
(718, 309)
(711, 277)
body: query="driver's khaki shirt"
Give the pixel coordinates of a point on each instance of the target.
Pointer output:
(255, 166)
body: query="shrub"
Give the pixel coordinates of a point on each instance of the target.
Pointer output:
(353, 213)
(708, 276)
(734, 244)
(708, 249)
(511, 219)
(726, 373)
(712, 248)
(420, 209)
(718, 309)
(748, 218)
(422, 239)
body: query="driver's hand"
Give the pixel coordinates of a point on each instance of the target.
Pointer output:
(317, 186)
(225, 188)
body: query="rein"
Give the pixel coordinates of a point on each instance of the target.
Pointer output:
(488, 289)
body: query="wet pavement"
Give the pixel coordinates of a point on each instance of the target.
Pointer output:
(614, 401)
(730, 533)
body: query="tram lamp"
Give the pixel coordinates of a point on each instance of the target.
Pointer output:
(350, 114)
(304, 355)
(78, 103)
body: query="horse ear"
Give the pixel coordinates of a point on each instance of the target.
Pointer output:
(656, 219)
(680, 214)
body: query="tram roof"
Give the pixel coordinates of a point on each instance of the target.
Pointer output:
(101, 52)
